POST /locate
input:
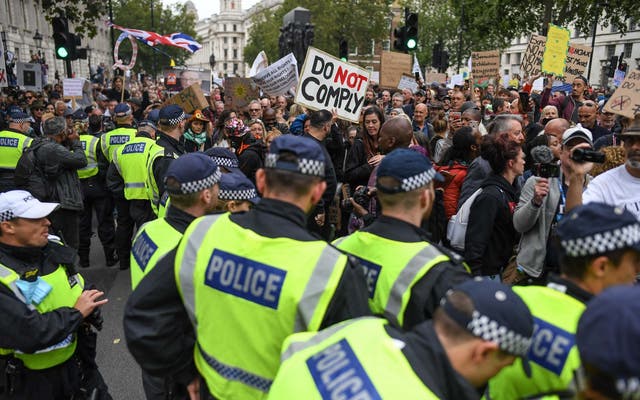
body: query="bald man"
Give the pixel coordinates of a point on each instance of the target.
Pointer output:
(556, 127)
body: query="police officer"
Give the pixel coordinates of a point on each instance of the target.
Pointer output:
(258, 277)
(13, 141)
(95, 196)
(237, 193)
(123, 132)
(607, 339)
(192, 184)
(44, 308)
(127, 179)
(406, 274)
(171, 125)
(600, 246)
(481, 327)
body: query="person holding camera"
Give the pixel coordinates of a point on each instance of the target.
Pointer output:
(544, 199)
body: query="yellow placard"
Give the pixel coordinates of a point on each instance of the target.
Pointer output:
(555, 52)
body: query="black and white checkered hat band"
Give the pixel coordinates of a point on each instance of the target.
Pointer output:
(196, 186)
(602, 242)
(491, 331)
(417, 181)
(225, 162)
(174, 121)
(245, 194)
(21, 120)
(305, 166)
(6, 215)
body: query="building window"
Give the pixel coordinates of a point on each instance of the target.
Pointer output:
(633, 24)
(517, 58)
(614, 29)
(224, 66)
(611, 50)
(226, 54)
(224, 27)
(235, 40)
(628, 47)
(507, 58)
(235, 68)
(235, 27)
(224, 40)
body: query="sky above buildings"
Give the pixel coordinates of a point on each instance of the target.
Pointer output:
(207, 7)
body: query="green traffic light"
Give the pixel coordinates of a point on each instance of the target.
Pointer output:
(62, 52)
(344, 59)
(411, 44)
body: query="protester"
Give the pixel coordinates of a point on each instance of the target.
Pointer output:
(364, 155)
(195, 134)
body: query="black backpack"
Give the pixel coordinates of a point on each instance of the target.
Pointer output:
(29, 174)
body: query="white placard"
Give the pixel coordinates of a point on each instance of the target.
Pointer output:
(278, 78)
(327, 83)
(72, 87)
(408, 82)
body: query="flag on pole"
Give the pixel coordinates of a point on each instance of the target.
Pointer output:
(177, 39)
(261, 62)
(416, 67)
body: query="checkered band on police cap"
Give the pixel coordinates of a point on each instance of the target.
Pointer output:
(201, 184)
(596, 228)
(225, 162)
(491, 331)
(418, 181)
(175, 120)
(305, 166)
(240, 194)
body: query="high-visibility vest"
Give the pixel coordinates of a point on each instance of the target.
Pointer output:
(392, 268)
(90, 147)
(115, 138)
(131, 162)
(154, 240)
(64, 293)
(553, 355)
(356, 359)
(153, 192)
(245, 294)
(12, 144)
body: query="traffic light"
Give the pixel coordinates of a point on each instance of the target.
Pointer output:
(344, 50)
(61, 38)
(436, 56)
(399, 42)
(613, 65)
(411, 31)
(444, 63)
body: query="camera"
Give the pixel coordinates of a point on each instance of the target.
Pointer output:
(546, 170)
(587, 155)
(360, 196)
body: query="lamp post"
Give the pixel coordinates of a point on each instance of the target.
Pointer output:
(37, 38)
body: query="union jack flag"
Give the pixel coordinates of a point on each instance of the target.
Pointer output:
(177, 39)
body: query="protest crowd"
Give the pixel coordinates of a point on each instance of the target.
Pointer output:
(457, 242)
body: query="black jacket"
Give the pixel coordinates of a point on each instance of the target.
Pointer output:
(172, 149)
(357, 170)
(157, 328)
(490, 233)
(430, 362)
(426, 292)
(251, 160)
(329, 176)
(60, 164)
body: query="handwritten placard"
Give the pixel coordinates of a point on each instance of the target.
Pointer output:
(280, 77)
(555, 51)
(72, 87)
(408, 82)
(577, 61)
(189, 99)
(626, 99)
(435, 77)
(485, 65)
(532, 59)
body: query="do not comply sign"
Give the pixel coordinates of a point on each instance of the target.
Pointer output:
(327, 83)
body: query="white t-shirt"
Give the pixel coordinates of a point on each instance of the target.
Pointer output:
(616, 187)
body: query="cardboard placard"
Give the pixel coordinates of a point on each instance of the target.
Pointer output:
(532, 59)
(577, 61)
(392, 67)
(485, 65)
(555, 51)
(435, 77)
(626, 99)
(238, 92)
(327, 83)
(190, 99)
(178, 78)
(72, 87)
(408, 82)
(279, 77)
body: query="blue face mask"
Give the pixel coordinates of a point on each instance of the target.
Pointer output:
(34, 292)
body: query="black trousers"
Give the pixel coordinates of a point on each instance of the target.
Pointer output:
(124, 231)
(96, 199)
(66, 223)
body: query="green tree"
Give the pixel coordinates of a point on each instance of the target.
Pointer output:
(476, 25)
(84, 14)
(137, 14)
(358, 21)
